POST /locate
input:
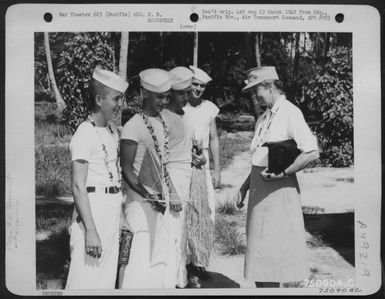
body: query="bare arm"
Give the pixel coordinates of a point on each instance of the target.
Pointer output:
(128, 150)
(82, 203)
(245, 186)
(214, 148)
(79, 191)
(302, 161)
(241, 194)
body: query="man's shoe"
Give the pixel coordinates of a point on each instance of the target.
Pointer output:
(193, 283)
(192, 270)
(204, 275)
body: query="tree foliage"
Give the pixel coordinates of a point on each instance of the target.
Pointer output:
(74, 70)
(331, 95)
(316, 69)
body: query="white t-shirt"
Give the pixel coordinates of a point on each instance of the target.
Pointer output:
(86, 144)
(180, 140)
(135, 129)
(198, 120)
(286, 122)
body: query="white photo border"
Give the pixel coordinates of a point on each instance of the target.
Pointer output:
(23, 20)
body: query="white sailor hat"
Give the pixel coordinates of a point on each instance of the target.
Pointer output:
(181, 77)
(257, 75)
(200, 75)
(109, 79)
(155, 80)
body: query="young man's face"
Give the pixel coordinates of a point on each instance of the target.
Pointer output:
(198, 88)
(157, 101)
(180, 97)
(109, 102)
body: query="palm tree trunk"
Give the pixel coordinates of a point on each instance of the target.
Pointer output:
(124, 40)
(296, 56)
(296, 65)
(59, 100)
(257, 50)
(123, 57)
(161, 46)
(327, 46)
(195, 55)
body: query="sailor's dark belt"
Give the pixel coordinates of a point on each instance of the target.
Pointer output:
(109, 190)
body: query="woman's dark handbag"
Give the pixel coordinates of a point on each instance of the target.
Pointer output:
(125, 247)
(281, 155)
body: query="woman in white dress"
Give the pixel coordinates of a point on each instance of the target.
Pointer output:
(276, 245)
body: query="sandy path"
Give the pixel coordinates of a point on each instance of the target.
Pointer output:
(326, 188)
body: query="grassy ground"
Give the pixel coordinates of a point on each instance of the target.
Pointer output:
(53, 180)
(332, 254)
(52, 156)
(231, 144)
(52, 159)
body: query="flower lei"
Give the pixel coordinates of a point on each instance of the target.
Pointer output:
(162, 157)
(106, 155)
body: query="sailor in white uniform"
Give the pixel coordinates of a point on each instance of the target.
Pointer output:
(94, 230)
(145, 152)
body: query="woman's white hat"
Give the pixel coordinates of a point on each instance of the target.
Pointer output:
(257, 75)
(155, 80)
(200, 75)
(110, 79)
(181, 77)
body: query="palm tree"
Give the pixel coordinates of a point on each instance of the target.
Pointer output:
(123, 57)
(124, 40)
(257, 50)
(59, 100)
(195, 49)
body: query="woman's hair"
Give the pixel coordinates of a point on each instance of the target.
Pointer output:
(277, 83)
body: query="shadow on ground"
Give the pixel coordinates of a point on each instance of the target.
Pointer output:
(336, 230)
(52, 253)
(219, 281)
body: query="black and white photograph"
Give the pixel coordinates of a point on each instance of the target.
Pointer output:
(193, 149)
(229, 154)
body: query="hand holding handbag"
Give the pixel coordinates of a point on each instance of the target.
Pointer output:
(281, 155)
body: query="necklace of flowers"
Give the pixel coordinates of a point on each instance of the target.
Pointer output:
(162, 157)
(106, 155)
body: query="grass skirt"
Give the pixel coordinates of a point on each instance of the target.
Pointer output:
(200, 228)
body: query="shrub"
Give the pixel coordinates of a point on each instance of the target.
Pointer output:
(331, 95)
(228, 237)
(227, 208)
(53, 170)
(75, 67)
(316, 241)
(54, 255)
(52, 160)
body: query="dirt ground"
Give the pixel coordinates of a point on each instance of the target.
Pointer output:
(328, 202)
